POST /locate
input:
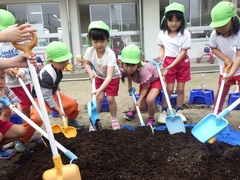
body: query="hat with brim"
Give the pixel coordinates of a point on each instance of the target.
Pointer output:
(131, 54)
(222, 13)
(175, 7)
(58, 52)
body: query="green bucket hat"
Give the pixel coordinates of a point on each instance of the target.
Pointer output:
(6, 19)
(131, 54)
(58, 52)
(175, 7)
(222, 13)
(98, 25)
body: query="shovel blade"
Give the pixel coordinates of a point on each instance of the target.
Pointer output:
(93, 114)
(69, 171)
(68, 132)
(175, 124)
(209, 127)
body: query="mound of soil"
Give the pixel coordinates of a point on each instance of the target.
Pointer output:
(135, 154)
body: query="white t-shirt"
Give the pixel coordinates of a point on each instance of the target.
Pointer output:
(227, 46)
(101, 64)
(174, 45)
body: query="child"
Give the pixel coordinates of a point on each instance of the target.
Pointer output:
(106, 71)
(50, 77)
(7, 50)
(225, 44)
(174, 41)
(8, 131)
(144, 74)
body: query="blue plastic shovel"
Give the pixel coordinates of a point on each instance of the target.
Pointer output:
(92, 110)
(174, 123)
(212, 124)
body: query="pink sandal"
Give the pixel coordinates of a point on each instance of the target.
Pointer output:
(115, 124)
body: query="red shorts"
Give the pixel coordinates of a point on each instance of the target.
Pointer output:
(112, 88)
(156, 84)
(20, 93)
(5, 126)
(231, 81)
(180, 72)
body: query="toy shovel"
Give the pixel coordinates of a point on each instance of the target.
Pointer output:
(60, 171)
(92, 110)
(174, 123)
(68, 131)
(213, 124)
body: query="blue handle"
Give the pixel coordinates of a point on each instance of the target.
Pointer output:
(132, 91)
(156, 64)
(5, 101)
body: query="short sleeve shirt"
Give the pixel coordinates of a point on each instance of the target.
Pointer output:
(101, 64)
(174, 45)
(227, 46)
(148, 74)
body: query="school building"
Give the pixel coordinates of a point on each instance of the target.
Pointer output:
(130, 21)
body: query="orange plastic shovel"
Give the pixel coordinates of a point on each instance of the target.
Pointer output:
(68, 131)
(60, 171)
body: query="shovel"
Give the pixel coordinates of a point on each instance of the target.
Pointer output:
(7, 103)
(92, 109)
(68, 131)
(212, 124)
(131, 93)
(174, 123)
(60, 171)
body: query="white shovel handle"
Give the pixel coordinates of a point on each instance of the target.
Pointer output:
(68, 153)
(60, 105)
(30, 97)
(93, 89)
(219, 95)
(164, 89)
(45, 118)
(138, 111)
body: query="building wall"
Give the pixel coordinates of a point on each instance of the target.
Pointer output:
(150, 25)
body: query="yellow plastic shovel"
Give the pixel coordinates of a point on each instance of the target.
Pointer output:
(68, 131)
(60, 171)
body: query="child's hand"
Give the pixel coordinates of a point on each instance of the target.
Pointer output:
(61, 113)
(20, 75)
(18, 106)
(227, 65)
(11, 72)
(79, 58)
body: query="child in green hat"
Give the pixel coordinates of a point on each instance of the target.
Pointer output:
(106, 71)
(225, 45)
(50, 77)
(174, 41)
(144, 74)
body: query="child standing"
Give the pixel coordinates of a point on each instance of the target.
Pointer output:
(144, 74)
(8, 131)
(225, 44)
(50, 77)
(106, 71)
(174, 41)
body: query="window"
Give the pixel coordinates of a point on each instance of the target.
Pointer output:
(122, 18)
(43, 17)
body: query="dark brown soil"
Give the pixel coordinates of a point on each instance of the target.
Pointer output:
(135, 154)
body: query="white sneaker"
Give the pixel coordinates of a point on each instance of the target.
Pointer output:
(162, 117)
(179, 113)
